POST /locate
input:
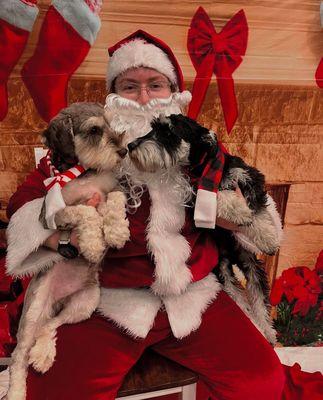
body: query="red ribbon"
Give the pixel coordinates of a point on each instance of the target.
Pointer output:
(220, 53)
(319, 74)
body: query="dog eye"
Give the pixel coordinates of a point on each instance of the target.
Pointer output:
(95, 130)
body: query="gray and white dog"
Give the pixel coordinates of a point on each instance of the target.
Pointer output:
(68, 291)
(180, 140)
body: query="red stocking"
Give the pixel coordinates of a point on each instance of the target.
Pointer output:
(68, 31)
(17, 18)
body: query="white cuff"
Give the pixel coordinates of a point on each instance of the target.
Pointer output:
(54, 202)
(78, 14)
(18, 14)
(205, 209)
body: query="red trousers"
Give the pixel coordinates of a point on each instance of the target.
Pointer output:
(230, 355)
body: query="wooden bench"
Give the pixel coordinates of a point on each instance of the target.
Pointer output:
(154, 376)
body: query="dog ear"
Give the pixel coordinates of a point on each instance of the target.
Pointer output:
(59, 138)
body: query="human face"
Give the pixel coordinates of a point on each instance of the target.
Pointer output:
(142, 85)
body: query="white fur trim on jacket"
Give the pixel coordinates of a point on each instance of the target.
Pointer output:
(134, 310)
(54, 202)
(78, 14)
(168, 246)
(138, 53)
(18, 13)
(25, 235)
(185, 311)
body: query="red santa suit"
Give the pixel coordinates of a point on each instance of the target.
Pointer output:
(202, 328)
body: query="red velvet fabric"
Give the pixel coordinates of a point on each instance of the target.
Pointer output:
(133, 266)
(231, 356)
(59, 52)
(302, 385)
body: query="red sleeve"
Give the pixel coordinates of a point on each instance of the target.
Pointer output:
(32, 188)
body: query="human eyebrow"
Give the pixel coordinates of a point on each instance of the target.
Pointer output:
(158, 79)
(127, 80)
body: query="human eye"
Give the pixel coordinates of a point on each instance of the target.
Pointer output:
(129, 88)
(157, 86)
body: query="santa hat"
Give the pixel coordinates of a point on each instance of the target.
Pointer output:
(140, 49)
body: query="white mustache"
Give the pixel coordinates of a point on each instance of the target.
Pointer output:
(116, 102)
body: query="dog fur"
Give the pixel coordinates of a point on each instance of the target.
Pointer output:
(68, 292)
(179, 140)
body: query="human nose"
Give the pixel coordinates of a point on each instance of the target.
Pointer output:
(143, 95)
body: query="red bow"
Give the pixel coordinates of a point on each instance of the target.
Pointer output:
(220, 53)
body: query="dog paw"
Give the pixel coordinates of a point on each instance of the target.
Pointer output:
(42, 354)
(233, 208)
(116, 235)
(93, 251)
(263, 234)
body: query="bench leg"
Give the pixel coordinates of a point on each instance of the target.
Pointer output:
(189, 392)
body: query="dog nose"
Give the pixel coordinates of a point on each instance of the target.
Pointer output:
(123, 152)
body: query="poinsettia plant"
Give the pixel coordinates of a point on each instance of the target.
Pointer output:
(297, 295)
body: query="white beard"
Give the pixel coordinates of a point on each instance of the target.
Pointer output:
(134, 119)
(168, 190)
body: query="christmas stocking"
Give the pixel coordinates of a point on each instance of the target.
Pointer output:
(17, 18)
(68, 31)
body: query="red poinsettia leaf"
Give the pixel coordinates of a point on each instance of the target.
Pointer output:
(301, 307)
(276, 292)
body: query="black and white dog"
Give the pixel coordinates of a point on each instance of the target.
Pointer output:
(179, 140)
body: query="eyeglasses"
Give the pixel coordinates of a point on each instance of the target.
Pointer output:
(133, 89)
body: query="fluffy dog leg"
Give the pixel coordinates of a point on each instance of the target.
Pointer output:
(262, 233)
(232, 208)
(78, 307)
(36, 309)
(257, 290)
(88, 223)
(115, 222)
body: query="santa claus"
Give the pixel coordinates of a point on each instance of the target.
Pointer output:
(159, 290)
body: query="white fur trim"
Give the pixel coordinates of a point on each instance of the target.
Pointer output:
(18, 14)
(54, 202)
(134, 310)
(25, 235)
(185, 311)
(169, 248)
(139, 53)
(131, 309)
(205, 209)
(78, 14)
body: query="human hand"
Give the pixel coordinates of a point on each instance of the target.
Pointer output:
(52, 241)
(95, 200)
